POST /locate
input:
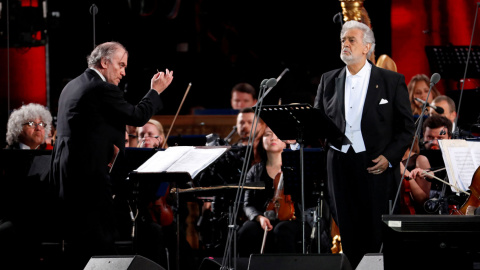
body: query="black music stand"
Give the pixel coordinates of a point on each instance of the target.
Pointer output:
(147, 188)
(450, 61)
(148, 185)
(301, 122)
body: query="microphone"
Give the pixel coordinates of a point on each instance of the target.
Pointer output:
(229, 136)
(438, 109)
(262, 84)
(338, 18)
(271, 82)
(434, 79)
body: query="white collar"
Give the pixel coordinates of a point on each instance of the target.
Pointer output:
(99, 74)
(362, 72)
(23, 146)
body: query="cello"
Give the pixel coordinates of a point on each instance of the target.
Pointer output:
(474, 197)
(281, 204)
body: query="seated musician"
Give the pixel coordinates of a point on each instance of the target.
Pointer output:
(151, 135)
(28, 127)
(280, 225)
(226, 170)
(24, 193)
(415, 187)
(159, 226)
(435, 128)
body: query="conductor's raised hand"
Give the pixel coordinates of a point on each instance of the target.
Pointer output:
(161, 80)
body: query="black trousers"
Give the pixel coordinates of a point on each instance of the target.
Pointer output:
(358, 200)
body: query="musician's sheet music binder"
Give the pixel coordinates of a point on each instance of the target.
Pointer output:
(296, 121)
(179, 164)
(462, 158)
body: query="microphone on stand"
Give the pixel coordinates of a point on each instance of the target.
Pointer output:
(438, 109)
(434, 79)
(229, 136)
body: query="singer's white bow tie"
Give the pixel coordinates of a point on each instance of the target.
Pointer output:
(383, 101)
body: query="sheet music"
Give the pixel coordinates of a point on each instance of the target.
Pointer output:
(462, 159)
(188, 159)
(162, 160)
(196, 160)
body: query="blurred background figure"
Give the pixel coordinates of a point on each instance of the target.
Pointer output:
(243, 95)
(151, 135)
(448, 106)
(418, 87)
(28, 127)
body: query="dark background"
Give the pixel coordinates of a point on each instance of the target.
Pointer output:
(228, 42)
(224, 43)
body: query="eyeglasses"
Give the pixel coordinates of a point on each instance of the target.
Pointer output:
(32, 124)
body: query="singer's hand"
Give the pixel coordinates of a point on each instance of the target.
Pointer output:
(264, 223)
(380, 166)
(160, 81)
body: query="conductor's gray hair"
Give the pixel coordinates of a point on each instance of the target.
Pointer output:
(104, 50)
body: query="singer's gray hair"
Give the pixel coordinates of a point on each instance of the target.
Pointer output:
(104, 50)
(368, 36)
(24, 114)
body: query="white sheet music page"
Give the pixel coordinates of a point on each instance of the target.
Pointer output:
(196, 160)
(188, 159)
(462, 159)
(162, 160)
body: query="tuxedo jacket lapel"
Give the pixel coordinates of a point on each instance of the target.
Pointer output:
(340, 89)
(372, 97)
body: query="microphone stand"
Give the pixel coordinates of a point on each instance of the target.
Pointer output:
(417, 132)
(456, 132)
(93, 11)
(232, 228)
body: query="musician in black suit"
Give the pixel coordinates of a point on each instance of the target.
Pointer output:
(370, 106)
(92, 114)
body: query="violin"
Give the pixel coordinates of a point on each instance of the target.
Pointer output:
(407, 206)
(281, 204)
(160, 211)
(474, 197)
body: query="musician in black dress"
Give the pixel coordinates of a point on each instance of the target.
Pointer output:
(281, 234)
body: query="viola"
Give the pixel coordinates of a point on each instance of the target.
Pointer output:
(474, 197)
(407, 206)
(160, 211)
(281, 204)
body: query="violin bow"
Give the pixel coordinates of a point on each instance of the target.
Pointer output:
(264, 239)
(175, 118)
(445, 182)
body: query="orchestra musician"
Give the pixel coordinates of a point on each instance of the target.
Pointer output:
(243, 95)
(92, 115)
(28, 127)
(370, 106)
(415, 186)
(418, 87)
(282, 232)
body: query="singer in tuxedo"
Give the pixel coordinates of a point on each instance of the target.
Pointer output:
(370, 106)
(92, 115)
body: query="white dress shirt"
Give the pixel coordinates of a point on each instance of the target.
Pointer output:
(356, 87)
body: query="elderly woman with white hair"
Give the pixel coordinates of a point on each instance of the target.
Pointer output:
(28, 127)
